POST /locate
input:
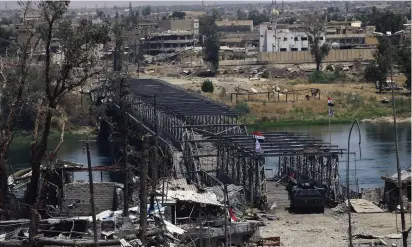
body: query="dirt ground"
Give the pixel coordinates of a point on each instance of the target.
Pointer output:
(329, 229)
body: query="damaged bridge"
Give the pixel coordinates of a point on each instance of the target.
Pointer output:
(210, 146)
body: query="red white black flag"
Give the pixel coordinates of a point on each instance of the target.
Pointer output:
(258, 136)
(330, 102)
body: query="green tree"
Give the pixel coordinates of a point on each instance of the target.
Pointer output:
(211, 44)
(383, 60)
(403, 59)
(315, 31)
(258, 17)
(146, 11)
(77, 68)
(178, 14)
(383, 20)
(372, 73)
(241, 15)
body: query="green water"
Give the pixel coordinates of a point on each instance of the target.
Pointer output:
(378, 151)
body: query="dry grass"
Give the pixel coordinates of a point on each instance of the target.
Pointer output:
(351, 101)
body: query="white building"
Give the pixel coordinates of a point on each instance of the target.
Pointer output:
(284, 37)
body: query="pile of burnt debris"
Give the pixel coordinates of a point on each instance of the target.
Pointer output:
(175, 213)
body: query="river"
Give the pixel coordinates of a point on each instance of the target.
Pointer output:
(378, 151)
(377, 146)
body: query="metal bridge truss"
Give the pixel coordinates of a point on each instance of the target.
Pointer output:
(182, 118)
(309, 158)
(209, 145)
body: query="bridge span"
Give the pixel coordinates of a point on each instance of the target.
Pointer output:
(211, 147)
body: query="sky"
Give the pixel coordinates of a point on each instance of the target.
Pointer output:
(77, 4)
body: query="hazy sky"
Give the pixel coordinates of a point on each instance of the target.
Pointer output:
(76, 4)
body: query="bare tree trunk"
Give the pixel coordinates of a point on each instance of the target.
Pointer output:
(37, 156)
(3, 182)
(317, 66)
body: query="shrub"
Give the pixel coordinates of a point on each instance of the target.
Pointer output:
(265, 74)
(242, 108)
(325, 77)
(317, 77)
(207, 86)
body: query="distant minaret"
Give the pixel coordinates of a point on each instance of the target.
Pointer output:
(283, 7)
(6, 6)
(347, 10)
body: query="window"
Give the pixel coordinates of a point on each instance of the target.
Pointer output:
(285, 39)
(294, 49)
(283, 49)
(321, 38)
(304, 49)
(296, 38)
(304, 38)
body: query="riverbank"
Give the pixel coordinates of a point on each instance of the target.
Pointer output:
(83, 131)
(352, 100)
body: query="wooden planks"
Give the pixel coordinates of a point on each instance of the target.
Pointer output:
(362, 206)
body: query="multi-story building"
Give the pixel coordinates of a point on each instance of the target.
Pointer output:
(350, 33)
(284, 37)
(234, 26)
(179, 25)
(168, 42)
(407, 28)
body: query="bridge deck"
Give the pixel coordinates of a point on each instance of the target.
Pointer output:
(178, 100)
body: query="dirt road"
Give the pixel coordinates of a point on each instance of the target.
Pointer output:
(328, 229)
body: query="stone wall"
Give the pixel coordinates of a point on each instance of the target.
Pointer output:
(297, 57)
(104, 195)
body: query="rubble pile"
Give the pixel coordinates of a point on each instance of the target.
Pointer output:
(340, 209)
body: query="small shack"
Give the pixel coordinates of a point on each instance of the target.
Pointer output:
(391, 191)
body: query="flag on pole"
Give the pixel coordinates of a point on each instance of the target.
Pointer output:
(258, 147)
(331, 112)
(232, 215)
(330, 102)
(258, 136)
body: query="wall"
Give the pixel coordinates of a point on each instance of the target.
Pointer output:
(306, 57)
(235, 26)
(179, 25)
(282, 37)
(103, 197)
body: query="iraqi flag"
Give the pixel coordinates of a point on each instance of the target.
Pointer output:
(258, 136)
(330, 102)
(232, 215)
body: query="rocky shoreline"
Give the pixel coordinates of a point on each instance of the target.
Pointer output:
(387, 119)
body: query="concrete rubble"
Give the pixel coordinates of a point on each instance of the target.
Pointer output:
(182, 214)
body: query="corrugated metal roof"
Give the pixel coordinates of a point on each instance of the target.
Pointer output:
(177, 184)
(405, 175)
(208, 198)
(218, 190)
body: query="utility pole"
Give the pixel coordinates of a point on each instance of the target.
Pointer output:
(226, 211)
(89, 166)
(398, 166)
(143, 189)
(389, 35)
(126, 166)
